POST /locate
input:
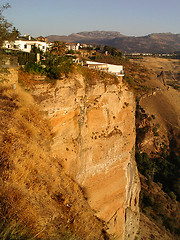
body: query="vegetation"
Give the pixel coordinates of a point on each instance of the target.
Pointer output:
(58, 48)
(53, 67)
(114, 56)
(160, 207)
(113, 51)
(37, 199)
(158, 172)
(34, 68)
(58, 66)
(5, 27)
(11, 230)
(6, 32)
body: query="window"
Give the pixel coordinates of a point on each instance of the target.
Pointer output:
(43, 47)
(25, 46)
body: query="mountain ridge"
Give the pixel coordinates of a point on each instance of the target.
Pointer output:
(151, 43)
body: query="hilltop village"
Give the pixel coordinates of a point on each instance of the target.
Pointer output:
(76, 51)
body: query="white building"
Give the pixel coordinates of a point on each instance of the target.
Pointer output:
(110, 68)
(73, 46)
(25, 44)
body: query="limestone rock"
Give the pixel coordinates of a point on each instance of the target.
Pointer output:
(94, 135)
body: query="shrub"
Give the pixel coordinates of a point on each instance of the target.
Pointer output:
(57, 66)
(172, 196)
(34, 68)
(170, 223)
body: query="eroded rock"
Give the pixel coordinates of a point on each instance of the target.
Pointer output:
(94, 135)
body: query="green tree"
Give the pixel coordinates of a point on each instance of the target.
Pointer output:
(58, 48)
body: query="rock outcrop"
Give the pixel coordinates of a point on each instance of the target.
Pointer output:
(94, 135)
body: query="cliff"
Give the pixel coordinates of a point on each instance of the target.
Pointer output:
(37, 198)
(93, 120)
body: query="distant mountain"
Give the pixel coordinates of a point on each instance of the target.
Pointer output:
(152, 43)
(94, 37)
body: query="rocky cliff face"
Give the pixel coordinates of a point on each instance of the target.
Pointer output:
(94, 135)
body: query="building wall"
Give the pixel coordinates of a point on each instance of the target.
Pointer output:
(116, 69)
(25, 46)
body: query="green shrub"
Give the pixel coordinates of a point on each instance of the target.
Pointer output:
(53, 72)
(57, 66)
(34, 68)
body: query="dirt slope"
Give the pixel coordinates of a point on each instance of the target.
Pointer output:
(164, 100)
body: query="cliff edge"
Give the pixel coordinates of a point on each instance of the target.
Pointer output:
(93, 120)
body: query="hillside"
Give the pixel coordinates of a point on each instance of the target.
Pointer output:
(152, 43)
(38, 199)
(157, 148)
(165, 98)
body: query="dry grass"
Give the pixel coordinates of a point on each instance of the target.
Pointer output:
(34, 189)
(93, 77)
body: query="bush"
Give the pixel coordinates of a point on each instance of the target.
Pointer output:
(129, 80)
(172, 196)
(144, 163)
(34, 68)
(53, 72)
(141, 132)
(171, 224)
(57, 66)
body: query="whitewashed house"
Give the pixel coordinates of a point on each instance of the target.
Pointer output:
(110, 68)
(73, 46)
(25, 44)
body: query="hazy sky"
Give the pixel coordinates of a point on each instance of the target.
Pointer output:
(63, 17)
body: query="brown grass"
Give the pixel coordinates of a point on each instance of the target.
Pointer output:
(34, 189)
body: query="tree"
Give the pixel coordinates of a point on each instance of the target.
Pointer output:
(113, 51)
(5, 27)
(6, 33)
(35, 49)
(15, 33)
(58, 48)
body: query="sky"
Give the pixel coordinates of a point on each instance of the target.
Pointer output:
(63, 17)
